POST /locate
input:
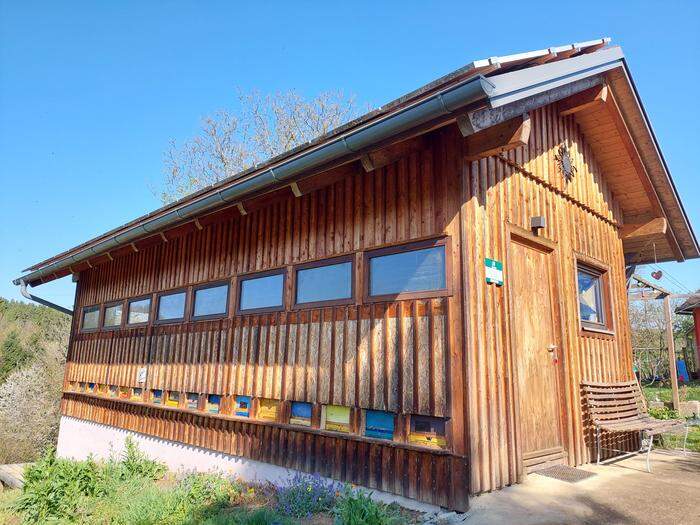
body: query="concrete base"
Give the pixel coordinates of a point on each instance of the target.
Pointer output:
(78, 439)
(621, 492)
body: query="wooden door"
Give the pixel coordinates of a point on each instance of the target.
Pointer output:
(536, 352)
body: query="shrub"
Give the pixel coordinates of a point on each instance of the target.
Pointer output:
(53, 488)
(302, 495)
(357, 508)
(134, 463)
(63, 489)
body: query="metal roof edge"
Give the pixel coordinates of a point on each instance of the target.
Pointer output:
(512, 86)
(660, 155)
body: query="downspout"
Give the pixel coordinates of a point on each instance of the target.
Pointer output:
(25, 293)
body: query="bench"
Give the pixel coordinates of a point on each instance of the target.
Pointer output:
(621, 407)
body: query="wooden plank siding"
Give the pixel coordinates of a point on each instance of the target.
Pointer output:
(447, 356)
(581, 219)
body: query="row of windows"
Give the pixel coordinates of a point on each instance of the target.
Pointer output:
(416, 268)
(396, 272)
(422, 430)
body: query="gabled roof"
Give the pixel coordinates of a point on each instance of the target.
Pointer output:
(478, 95)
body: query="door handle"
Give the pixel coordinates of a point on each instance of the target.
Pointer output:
(551, 348)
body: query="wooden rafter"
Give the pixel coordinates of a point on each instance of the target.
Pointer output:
(499, 138)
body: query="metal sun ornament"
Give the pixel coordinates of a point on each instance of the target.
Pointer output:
(563, 158)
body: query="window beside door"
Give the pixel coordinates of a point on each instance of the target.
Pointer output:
(593, 298)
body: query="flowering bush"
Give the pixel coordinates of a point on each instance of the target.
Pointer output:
(303, 495)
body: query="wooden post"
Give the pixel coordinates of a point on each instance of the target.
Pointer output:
(671, 351)
(696, 322)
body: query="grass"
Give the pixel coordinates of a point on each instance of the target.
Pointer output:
(692, 390)
(135, 490)
(7, 500)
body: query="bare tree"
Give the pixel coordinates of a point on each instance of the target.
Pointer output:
(648, 338)
(260, 127)
(648, 324)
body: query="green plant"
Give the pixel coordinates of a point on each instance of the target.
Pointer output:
(53, 488)
(135, 463)
(355, 507)
(663, 413)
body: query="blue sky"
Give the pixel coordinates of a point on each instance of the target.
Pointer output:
(91, 93)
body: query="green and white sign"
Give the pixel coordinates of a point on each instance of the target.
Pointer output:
(494, 272)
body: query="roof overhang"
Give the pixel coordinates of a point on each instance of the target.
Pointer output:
(689, 306)
(515, 85)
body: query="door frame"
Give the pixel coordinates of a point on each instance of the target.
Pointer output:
(526, 237)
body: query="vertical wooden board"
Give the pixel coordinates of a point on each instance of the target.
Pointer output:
(300, 366)
(392, 358)
(350, 375)
(271, 363)
(338, 356)
(363, 358)
(241, 386)
(312, 356)
(261, 357)
(253, 352)
(407, 353)
(325, 361)
(290, 367)
(280, 377)
(438, 357)
(378, 358)
(423, 358)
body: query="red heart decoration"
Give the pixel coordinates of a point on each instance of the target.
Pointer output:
(657, 275)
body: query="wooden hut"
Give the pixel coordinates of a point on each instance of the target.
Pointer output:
(408, 303)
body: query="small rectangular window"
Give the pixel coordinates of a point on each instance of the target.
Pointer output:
(427, 431)
(336, 418)
(91, 387)
(262, 293)
(213, 403)
(102, 389)
(82, 386)
(113, 315)
(301, 414)
(157, 397)
(407, 270)
(241, 406)
(91, 317)
(211, 300)
(268, 409)
(113, 391)
(590, 297)
(379, 424)
(171, 306)
(124, 392)
(173, 399)
(323, 282)
(139, 311)
(137, 394)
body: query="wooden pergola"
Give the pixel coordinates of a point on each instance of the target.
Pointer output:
(641, 289)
